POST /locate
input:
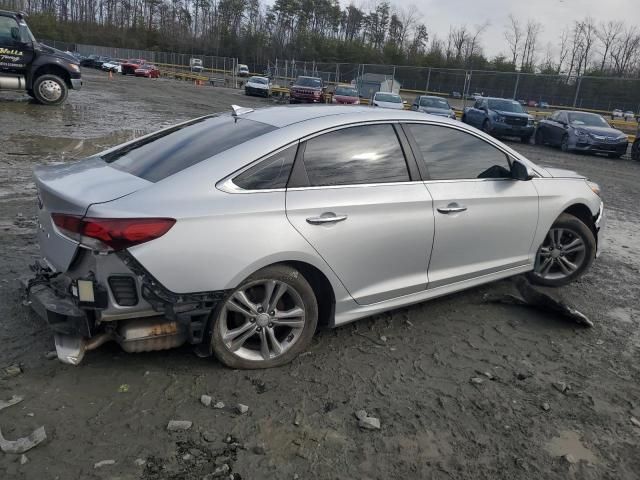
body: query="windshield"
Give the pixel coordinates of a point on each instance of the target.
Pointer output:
(309, 82)
(587, 119)
(167, 152)
(505, 106)
(347, 91)
(260, 80)
(388, 97)
(434, 103)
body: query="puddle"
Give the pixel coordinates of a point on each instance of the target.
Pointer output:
(569, 443)
(65, 148)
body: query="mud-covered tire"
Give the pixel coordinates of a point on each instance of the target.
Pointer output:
(50, 89)
(576, 229)
(244, 357)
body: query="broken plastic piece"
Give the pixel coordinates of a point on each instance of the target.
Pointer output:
(23, 444)
(12, 401)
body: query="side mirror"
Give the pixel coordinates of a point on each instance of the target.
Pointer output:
(519, 171)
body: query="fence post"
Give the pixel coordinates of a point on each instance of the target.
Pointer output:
(426, 88)
(515, 89)
(575, 99)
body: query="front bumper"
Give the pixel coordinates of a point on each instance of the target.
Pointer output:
(76, 83)
(263, 92)
(596, 146)
(512, 130)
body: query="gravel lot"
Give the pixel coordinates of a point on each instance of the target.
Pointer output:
(411, 368)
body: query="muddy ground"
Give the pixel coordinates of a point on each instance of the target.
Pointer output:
(411, 368)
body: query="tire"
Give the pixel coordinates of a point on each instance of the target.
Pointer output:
(538, 137)
(555, 262)
(50, 90)
(615, 155)
(486, 127)
(635, 150)
(564, 143)
(526, 139)
(255, 327)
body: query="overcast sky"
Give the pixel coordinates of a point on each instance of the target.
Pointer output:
(439, 15)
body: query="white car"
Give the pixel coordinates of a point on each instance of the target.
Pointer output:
(259, 86)
(195, 65)
(243, 70)
(387, 100)
(629, 116)
(617, 113)
(112, 67)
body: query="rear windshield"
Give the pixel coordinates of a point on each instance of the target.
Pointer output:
(165, 153)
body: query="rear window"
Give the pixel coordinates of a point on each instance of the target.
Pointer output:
(165, 153)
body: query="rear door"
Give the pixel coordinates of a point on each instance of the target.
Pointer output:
(485, 221)
(351, 196)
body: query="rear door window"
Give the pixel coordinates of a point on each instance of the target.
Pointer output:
(270, 173)
(168, 152)
(355, 155)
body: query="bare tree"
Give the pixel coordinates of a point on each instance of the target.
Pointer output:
(529, 48)
(625, 50)
(608, 34)
(513, 36)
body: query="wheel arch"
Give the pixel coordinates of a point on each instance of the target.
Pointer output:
(52, 69)
(584, 214)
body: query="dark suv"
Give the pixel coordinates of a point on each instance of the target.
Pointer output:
(306, 89)
(500, 117)
(43, 72)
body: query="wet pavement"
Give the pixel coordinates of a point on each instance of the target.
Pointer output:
(411, 368)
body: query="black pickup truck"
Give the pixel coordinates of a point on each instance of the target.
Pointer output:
(43, 72)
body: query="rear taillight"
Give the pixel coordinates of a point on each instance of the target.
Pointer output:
(111, 233)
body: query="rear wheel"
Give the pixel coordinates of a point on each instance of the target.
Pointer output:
(50, 90)
(267, 321)
(566, 253)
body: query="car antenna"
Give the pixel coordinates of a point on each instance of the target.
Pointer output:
(237, 111)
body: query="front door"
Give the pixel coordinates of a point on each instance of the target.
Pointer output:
(485, 221)
(16, 47)
(361, 211)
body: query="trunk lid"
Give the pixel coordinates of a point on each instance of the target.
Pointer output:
(72, 189)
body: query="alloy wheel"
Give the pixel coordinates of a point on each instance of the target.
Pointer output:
(562, 254)
(262, 320)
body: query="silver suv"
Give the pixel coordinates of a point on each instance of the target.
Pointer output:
(241, 233)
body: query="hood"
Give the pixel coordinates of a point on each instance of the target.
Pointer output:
(562, 173)
(605, 131)
(258, 85)
(513, 114)
(58, 53)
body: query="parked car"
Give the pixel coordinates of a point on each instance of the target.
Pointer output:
(581, 131)
(134, 252)
(617, 114)
(532, 103)
(629, 116)
(195, 65)
(387, 100)
(112, 66)
(456, 95)
(147, 70)
(306, 89)
(46, 74)
(346, 94)
(500, 117)
(544, 105)
(130, 66)
(433, 105)
(243, 70)
(260, 86)
(89, 61)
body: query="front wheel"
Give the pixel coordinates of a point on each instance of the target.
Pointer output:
(525, 139)
(564, 143)
(50, 90)
(267, 321)
(539, 137)
(486, 127)
(615, 155)
(566, 253)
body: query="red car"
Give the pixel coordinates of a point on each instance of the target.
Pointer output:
(147, 70)
(346, 94)
(129, 66)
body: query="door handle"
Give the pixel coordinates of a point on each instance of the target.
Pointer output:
(329, 218)
(452, 208)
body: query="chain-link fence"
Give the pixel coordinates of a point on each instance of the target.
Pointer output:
(592, 93)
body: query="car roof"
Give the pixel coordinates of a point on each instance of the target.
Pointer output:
(288, 115)
(432, 96)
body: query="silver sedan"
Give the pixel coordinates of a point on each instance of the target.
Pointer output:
(242, 233)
